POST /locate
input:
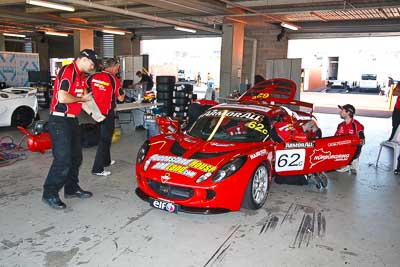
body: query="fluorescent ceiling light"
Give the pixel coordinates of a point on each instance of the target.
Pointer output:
(14, 35)
(184, 29)
(50, 5)
(57, 34)
(289, 26)
(113, 31)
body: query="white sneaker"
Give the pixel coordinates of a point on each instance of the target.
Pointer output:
(103, 173)
(354, 166)
(344, 169)
(112, 162)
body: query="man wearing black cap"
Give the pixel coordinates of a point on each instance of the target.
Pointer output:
(350, 126)
(69, 93)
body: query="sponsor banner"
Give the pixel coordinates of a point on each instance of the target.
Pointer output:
(299, 145)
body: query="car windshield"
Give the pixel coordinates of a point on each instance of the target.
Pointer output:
(231, 126)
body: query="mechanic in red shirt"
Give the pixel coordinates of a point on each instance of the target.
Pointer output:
(396, 111)
(350, 126)
(69, 93)
(106, 88)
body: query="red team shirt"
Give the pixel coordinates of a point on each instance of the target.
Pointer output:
(353, 128)
(105, 87)
(72, 80)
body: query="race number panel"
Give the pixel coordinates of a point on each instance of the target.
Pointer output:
(290, 160)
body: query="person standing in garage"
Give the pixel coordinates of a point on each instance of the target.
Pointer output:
(350, 126)
(106, 88)
(146, 82)
(396, 111)
(69, 93)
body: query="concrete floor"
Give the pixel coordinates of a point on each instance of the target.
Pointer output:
(355, 222)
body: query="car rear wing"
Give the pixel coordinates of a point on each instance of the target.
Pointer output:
(274, 91)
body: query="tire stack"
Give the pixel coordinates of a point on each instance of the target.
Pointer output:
(182, 98)
(165, 87)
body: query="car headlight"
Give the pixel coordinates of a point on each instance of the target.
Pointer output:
(230, 168)
(142, 152)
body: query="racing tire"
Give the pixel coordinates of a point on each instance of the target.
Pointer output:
(22, 116)
(166, 79)
(165, 88)
(180, 94)
(258, 187)
(188, 88)
(181, 101)
(164, 96)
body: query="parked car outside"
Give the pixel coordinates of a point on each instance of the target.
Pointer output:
(18, 106)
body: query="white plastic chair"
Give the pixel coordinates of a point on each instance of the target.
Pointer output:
(394, 144)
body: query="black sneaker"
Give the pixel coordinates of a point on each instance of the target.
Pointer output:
(397, 172)
(54, 202)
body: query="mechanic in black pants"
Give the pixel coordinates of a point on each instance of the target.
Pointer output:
(106, 88)
(69, 93)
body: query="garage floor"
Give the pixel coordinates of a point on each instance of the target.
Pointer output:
(354, 222)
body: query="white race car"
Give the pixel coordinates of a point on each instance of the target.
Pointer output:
(18, 106)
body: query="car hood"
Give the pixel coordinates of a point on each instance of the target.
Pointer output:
(181, 158)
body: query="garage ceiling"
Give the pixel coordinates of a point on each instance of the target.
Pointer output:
(157, 18)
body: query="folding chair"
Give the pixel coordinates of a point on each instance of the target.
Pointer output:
(393, 144)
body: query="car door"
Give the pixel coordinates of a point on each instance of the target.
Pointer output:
(324, 154)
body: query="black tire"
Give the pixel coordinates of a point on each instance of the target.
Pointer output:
(181, 108)
(164, 96)
(180, 94)
(249, 201)
(181, 101)
(180, 114)
(166, 88)
(22, 116)
(166, 79)
(188, 88)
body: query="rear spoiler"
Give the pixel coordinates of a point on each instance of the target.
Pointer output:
(274, 91)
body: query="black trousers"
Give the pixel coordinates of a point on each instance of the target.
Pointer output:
(395, 122)
(103, 157)
(67, 156)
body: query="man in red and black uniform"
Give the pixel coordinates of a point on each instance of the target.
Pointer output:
(350, 126)
(106, 88)
(69, 93)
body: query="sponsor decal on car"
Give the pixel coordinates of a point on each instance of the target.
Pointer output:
(339, 143)
(164, 205)
(319, 155)
(299, 145)
(180, 165)
(258, 154)
(261, 95)
(234, 114)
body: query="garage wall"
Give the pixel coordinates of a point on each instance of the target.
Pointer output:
(267, 48)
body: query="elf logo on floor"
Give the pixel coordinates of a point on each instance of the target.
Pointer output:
(299, 145)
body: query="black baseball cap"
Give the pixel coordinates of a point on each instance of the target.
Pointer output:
(90, 54)
(349, 108)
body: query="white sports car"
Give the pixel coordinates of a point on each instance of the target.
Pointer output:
(18, 106)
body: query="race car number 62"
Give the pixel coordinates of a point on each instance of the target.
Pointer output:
(290, 160)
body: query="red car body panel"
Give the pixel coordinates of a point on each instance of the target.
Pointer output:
(175, 161)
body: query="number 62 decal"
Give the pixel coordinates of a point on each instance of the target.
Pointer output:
(290, 160)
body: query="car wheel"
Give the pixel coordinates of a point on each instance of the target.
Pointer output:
(257, 188)
(22, 116)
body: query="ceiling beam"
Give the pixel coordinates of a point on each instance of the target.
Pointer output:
(140, 15)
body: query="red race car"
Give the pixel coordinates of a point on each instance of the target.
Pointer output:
(227, 158)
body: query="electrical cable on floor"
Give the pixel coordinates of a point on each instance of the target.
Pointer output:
(11, 152)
